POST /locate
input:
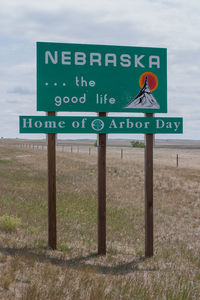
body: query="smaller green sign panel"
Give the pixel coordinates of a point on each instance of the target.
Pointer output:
(73, 124)
(81, 77)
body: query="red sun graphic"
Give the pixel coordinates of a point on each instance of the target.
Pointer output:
(152, 80)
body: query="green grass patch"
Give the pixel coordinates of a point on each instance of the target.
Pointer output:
(9, 223)
(64, 248)
(32, 229)
(4, 161)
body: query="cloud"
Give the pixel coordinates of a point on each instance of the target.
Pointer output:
(20, 90)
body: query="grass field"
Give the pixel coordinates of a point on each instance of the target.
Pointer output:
(29, 270)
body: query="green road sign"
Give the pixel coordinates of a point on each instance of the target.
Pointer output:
(99, 78)
(63, 124)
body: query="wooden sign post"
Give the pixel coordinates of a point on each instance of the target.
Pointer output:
(149, 193)
(51, 188)
(102, 191)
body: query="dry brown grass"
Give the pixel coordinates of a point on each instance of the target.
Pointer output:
(29, 270)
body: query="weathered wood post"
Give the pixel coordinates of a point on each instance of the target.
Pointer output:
(102, 192)
(52, 188)
(149, 193)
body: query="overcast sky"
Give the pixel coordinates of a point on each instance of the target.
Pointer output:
(171, 24)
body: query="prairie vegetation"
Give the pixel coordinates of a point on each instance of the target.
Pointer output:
(137, 144)
(29, 270)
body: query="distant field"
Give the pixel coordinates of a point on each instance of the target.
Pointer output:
(29, 270)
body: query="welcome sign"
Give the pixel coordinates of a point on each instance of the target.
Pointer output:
(99, 78)
(96, 78)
